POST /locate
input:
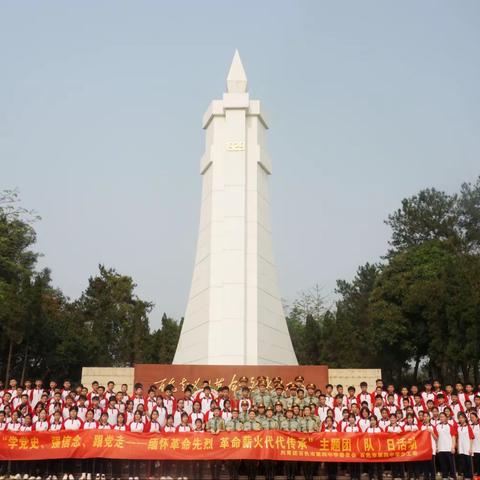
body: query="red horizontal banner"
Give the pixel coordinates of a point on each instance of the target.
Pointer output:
(262, 445)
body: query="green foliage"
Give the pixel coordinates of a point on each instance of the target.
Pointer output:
(43, 334)
(418, 313)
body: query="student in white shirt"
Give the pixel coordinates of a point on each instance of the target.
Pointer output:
(87, 464)
(429, 465)
(71, 423)
(374, 469)
(353, 427)
(117, 464)
(446, 444)
(476, 442)
(465, 438)
(41, 424)
(137, 426)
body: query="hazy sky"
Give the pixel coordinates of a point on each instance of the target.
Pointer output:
(100, 126)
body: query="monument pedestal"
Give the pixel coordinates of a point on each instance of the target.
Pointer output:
(182, 375)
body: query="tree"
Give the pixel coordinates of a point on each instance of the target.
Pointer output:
(163, 342)
(115, 317)
(429, 215)
(17, 262)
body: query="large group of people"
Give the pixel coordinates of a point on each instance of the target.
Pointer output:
(450, 413)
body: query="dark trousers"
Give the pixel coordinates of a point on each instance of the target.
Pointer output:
(397, 469)
(331, 468)
(197, 469)
(375, 469)
(215, 469)
(269, 468)
(476, 462)
(252, 468)
(233, 467)
(465, 466)
(414, 469)
(134, 468)
(446, 464)
(354, 470)
(290, 470)
(308, 469)
(428, 468)
(116, 468)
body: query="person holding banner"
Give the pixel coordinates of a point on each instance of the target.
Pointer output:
(234, 425)
(216, 425)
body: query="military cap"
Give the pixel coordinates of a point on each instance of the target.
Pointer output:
(261, 406)
(243, 379)
(299, 378)
(311, 385)
(269, 408)
(276, 379)
(261, 383)
(235, 410)
(261, 377)
(279, 403)
(245, 402)
(279, 386)
(292, 387)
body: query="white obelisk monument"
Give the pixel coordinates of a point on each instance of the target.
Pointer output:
(234, 314)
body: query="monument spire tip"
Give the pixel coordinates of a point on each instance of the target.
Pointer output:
(236, 78)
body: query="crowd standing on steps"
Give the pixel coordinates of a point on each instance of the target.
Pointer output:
(449, 412)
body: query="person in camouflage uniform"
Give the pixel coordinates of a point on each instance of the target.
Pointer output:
(290, 424)
(216, 425)
(269, 424)
(277, 394)
(308, 424)
(291, 400)
(278, 412)
(242, 383)
(234, 425)
(310, 398)
(262, 397)
(252, 425)
(243, 415)
(261, 413)
(301, 402)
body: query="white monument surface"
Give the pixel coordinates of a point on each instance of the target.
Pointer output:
(234, 314)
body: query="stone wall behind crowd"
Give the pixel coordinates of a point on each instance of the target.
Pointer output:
(105, 374)
(353, 376)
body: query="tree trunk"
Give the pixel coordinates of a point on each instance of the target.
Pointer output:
(24, 368)
(415, 369)
(9, 363)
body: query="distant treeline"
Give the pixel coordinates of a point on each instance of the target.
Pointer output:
(415, 313)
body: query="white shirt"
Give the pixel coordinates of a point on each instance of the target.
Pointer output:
(476, 440)
(465, 436)
(14, 427)
(41, 426)
(137, 427)
(90, 425)
(445, 433)
(72, 424)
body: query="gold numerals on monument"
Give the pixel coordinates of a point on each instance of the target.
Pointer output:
(235, 146)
